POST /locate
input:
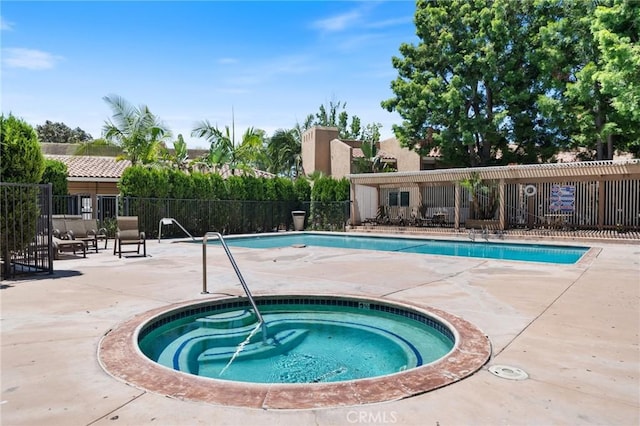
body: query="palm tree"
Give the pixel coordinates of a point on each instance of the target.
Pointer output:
(138, 131)
(484, 195)
(179, 159)
(285, 153)
(222, 149)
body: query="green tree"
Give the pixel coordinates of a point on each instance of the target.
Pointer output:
(284, 151)
(21, 161)
(136, 129)
(223, 150)
(371, 162)
(98, 147)
(335, 115)
(51, 132)
(605, 96)
(55, 173)
(484, 197)
(179, 158)
(471, 85)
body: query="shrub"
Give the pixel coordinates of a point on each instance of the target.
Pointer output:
(21, 159)
(55, 173)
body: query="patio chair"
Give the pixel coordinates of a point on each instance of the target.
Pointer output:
(60, 246)
(86, 230)
(59, 227)
(129, 234)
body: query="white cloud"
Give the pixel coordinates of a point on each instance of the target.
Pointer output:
(28, 58)
(5, 25)
(273, 69)
(390, 22)
(338, 22)
(227, 61)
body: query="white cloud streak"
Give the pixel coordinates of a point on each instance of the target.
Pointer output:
(338, 22)
(31, 59)
(5, 25)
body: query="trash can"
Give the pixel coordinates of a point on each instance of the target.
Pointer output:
(298, 219)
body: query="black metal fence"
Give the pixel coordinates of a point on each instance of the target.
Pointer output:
(25, 229)
(231, 216)
(201, 216)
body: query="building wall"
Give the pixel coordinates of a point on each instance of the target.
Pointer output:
(316, 149)
(407, 160)
(365, 200)
(92, 190)
(341, 154)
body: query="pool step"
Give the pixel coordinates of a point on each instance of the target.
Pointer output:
(228, 320)
(279, 342)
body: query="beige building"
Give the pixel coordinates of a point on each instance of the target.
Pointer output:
(323, 151)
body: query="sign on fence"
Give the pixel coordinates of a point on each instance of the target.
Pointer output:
(563, 198)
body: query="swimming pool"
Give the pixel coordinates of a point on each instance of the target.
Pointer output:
(481, 249)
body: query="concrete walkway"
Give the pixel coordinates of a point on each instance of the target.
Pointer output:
(574, 329)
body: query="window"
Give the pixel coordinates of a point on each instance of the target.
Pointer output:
(404, 199)
(393, 198)
(399, 198)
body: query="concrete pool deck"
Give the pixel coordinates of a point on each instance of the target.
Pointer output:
(573, 328)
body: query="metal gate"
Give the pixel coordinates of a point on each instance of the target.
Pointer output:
(25, 229)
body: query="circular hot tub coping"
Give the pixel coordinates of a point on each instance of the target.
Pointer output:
(119, 355)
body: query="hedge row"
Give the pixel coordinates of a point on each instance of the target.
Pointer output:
(238, 204)
(143, 182)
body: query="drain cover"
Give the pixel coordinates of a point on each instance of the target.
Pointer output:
(507, 372)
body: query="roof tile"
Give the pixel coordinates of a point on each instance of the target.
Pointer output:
(81, 166)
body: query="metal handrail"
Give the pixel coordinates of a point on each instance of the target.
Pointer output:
(169, 221)
(235, 267)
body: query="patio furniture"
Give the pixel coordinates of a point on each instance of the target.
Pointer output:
(439, 218)
(86, 230)
(129, 234)
(60, 246)
(59, 227)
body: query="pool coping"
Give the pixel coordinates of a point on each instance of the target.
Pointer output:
(119, 356)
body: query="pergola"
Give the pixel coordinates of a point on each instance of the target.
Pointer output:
(620, 178)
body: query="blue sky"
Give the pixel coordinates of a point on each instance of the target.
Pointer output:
(271, 63)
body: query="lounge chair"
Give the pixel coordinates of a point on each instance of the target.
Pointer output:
(86, 230)
(60, 246)
(59, 227)
(129, 234)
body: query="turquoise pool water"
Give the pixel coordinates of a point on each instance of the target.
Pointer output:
(481, 249)
(308, 340)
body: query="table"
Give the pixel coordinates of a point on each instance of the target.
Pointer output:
(557, 220)
(439, 218)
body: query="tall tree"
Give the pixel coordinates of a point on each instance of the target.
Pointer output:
(334, 114)
(136, 129)
(55, 173)
(179, 159)
(371, 162)
(222, 148)
(471, 85)
(51, 132)
(284, 151)
(21, 161)
(605, 95)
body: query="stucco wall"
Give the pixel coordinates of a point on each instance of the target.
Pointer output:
(407, 161)
(316, 149)
(340, 159)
